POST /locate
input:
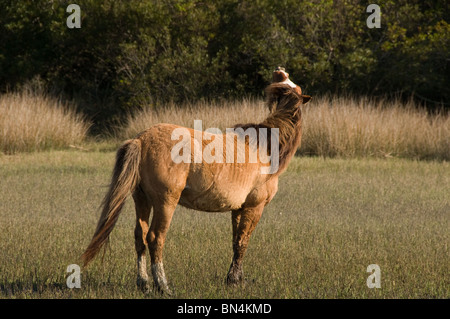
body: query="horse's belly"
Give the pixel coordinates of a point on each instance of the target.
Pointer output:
(213, 200)
(219, 187)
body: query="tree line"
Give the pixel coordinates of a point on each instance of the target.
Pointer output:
(133, 53)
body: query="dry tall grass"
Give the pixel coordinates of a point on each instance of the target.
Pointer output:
(31, 122)
(332, 127)
(216, 114)
(350, 127)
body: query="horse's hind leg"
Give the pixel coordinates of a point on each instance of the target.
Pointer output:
(143, 208)
(162, 216)
(244, 222)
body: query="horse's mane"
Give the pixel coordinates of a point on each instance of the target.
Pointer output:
(284, 104)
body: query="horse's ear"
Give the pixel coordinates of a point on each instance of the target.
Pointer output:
(306, 98)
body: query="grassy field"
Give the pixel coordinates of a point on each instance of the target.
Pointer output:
(330, 219)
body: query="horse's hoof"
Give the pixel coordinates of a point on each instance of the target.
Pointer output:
(143, 285)
(233, 281)
(165, 291)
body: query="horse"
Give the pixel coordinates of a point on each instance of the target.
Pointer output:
(146, 168)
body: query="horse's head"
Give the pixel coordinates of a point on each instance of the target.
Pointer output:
(283, 92)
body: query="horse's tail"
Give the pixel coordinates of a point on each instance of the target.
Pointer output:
(124, 180)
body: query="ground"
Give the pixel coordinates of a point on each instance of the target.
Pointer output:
(330, 220)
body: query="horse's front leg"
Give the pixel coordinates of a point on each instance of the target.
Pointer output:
(244, 222)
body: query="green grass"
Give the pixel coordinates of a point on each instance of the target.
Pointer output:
(330, 219)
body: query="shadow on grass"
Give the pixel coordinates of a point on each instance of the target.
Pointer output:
(18, 288)
(25, 288)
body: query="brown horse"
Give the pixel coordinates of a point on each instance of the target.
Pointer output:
(146, 168)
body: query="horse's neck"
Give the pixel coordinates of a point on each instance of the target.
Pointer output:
(296, 144)
(292, 142)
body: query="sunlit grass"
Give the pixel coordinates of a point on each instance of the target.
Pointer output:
(332, 126)
(330, 219)
(32, 122)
